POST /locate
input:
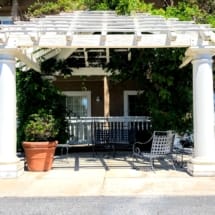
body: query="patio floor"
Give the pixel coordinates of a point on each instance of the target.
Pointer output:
(81, 174)
(106, 161)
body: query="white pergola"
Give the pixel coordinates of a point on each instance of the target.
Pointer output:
(61, 35)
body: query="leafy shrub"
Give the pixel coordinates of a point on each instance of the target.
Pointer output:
(41, 8)
(35, 94)
(41, 126)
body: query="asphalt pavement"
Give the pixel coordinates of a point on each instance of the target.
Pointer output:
(111, 205)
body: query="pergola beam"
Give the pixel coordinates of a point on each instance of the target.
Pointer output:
(89, 71)
(30, 63)
(65, 53)
(108, 41)
(105, 29)
(62, 34)
(23, 57)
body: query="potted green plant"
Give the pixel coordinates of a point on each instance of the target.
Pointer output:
(40, 145)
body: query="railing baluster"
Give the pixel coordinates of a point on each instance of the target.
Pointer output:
(82, 129)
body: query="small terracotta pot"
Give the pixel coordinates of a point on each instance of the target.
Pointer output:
(39, 155)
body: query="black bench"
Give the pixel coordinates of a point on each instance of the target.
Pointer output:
(111, 138)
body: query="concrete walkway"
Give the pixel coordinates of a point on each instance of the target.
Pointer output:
(84, 175)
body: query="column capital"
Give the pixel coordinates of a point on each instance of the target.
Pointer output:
(7, 58)
(197, 53)
(8, 51)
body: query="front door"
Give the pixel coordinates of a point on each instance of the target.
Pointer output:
(133, 103)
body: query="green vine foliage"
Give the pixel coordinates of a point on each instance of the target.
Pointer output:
(197, 10)
(186, 11)
(53, 66)
(167, 90)
(35, 94)
(44, 7)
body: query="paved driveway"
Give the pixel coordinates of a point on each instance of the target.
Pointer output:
(117, 205)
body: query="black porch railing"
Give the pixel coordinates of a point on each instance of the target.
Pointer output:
(85, 130)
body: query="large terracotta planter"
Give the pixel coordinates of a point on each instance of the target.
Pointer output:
(39, 155)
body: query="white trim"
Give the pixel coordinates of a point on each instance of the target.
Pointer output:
(127, 93)
(89, 71)
(81, 93)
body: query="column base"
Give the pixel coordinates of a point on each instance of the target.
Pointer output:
(11, 170)
(201, 167)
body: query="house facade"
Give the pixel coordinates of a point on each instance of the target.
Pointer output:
(97, 96)
(96, 101)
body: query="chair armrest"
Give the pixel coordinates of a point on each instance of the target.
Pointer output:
(136, 150)
(137, 145)
(142, 143)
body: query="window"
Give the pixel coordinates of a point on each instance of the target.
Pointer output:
(133, 103)
(78, 103)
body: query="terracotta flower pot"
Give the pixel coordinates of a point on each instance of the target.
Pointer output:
(39, 155)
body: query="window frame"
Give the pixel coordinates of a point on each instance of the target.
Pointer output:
(81, 93)
(127, 93)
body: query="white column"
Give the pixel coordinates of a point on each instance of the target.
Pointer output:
(203, 161)
(10, 166)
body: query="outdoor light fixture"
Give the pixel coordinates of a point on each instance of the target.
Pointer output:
(98, 99)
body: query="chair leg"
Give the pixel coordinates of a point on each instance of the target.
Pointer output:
(182, 159)
(93, 150)
(152, 164)
(173, 165)
(67, 151)
(136, 158)
(114, 149)
(133, 157)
